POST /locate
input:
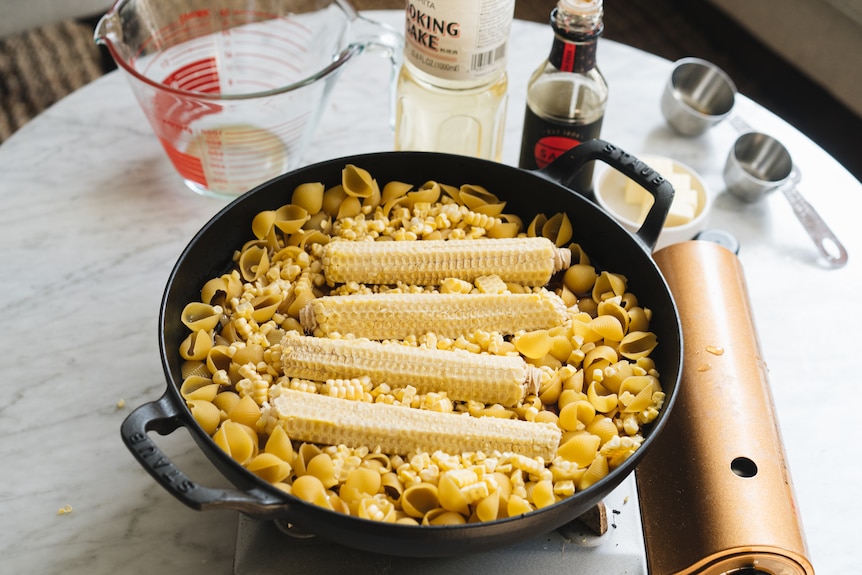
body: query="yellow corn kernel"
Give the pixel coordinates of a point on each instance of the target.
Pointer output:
(393, 315)
(403, 430)
(528, 261)
(461, 375)
(453, 285)
(491, 284)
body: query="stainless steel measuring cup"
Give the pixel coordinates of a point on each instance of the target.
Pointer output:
(234, 89)
(697, 96)
(759, 164)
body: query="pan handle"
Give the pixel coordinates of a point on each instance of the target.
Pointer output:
(563, 169)
(163, 417)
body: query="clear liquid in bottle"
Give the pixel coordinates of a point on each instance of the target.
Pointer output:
(466, 121)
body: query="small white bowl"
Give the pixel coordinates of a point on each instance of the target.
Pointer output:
(610, 194)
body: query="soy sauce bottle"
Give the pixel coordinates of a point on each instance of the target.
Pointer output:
(567, 94)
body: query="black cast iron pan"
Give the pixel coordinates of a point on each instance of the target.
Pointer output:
(527, 193)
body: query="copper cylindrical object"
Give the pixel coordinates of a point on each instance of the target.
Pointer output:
(715, 491)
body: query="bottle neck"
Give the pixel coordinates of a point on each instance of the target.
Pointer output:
(575, 40)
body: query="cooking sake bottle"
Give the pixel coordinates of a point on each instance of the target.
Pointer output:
(567, 94)
(452, 90)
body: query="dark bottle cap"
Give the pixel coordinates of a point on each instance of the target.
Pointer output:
(721, 238)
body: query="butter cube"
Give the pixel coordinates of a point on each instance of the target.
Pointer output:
(684, 205)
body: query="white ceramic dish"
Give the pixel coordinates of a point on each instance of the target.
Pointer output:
(610, 194)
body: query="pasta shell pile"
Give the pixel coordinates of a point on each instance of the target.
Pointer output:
(399, 384)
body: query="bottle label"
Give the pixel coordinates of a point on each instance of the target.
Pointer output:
(568, 56)
(458, 40)
(544, 140)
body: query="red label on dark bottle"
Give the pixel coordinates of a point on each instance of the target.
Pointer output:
(567, 59)
(572, 56)
(547, 149)
(543, 141)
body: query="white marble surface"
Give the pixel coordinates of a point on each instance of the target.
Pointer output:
(92, 218)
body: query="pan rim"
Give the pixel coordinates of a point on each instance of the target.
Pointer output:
(282, 501)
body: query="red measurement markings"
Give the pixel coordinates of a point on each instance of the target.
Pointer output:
(199, 76)
(188, 166)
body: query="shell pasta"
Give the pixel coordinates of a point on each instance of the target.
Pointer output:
(576, 373)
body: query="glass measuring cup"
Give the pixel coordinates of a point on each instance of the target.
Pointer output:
(234, 89)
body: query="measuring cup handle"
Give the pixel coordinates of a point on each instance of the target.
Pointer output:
(829, 246)
(378, 37)
(740, 124)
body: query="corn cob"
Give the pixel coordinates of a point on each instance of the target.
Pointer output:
(462, 375)
(403, 430)
(399, 315)
(526, 261)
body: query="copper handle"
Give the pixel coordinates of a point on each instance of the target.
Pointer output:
(715, 492)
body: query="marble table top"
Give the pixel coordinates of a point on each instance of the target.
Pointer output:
(83, 289)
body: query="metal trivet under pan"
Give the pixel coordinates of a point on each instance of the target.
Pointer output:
(263, 547)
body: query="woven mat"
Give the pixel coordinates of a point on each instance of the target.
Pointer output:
(40, 66)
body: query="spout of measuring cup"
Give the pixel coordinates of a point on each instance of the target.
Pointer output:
(107, 30)
(384, 40)
(109, 33)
